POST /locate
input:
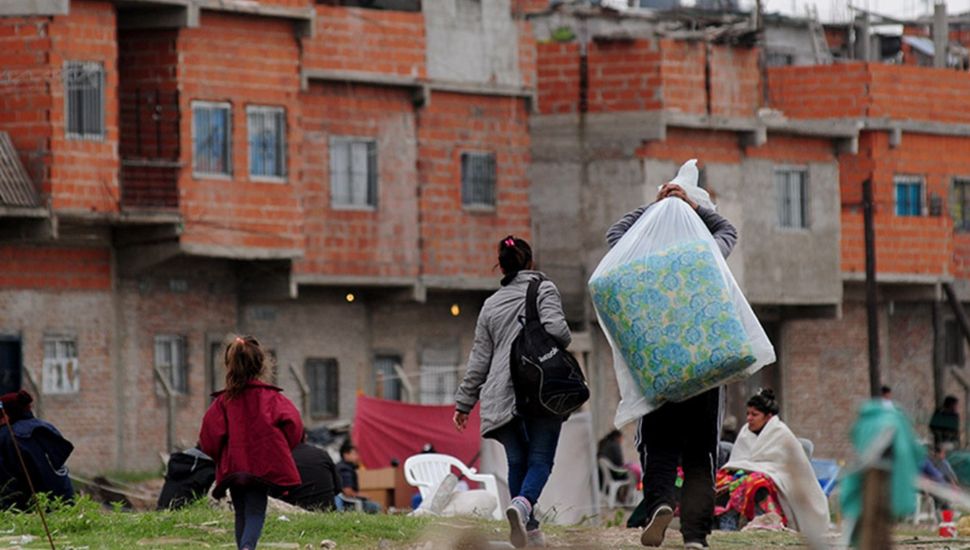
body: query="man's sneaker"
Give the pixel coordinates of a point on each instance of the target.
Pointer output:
(653, 533)
(518, 513)
(696, 545)
(535, 539)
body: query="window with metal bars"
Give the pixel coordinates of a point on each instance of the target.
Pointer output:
(267, 142)
(61, 374)
(353, 172)
(323, 378)
(170, 359)
(792, 199)
(478, 175)
(84, 99)
(211, 142)
(960, 204)
(439, 376)
(387, 380)
(909, 196)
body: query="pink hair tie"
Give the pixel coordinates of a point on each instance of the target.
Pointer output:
(510, 242)
(240, 340)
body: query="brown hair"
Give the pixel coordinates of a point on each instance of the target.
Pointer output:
(244, 363)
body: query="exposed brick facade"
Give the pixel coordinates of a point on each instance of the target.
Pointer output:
(55, 268)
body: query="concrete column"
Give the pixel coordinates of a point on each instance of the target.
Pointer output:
(940, 35)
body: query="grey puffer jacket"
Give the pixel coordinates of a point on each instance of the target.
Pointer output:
(488, 377)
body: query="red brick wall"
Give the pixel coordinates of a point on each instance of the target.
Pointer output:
(624, 76)
(84, 172)
(25, 100)
(682, 71)
(240, 212)
(902, 92)
(60, 268)
(522, 7)
(527, 53)
(735, 81)
(558, 77)
(829, 91)
(394, 41)
(682, 144)
(793, 149)
(456, 241)
(383, 241)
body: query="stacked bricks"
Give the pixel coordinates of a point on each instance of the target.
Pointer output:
(379, 241)
(238, 211)
(457, 241)
(558, 77)
(394, 42)
(682, 72)
(55, 268)
(84, 171)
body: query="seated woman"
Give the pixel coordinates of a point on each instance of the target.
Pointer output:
(769, 472)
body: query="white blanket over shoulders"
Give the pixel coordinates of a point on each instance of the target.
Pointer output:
(777, 453)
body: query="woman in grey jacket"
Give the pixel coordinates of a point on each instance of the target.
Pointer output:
(530, 443)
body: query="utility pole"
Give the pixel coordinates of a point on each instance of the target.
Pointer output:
(872, 304)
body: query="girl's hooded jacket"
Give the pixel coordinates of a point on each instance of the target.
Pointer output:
(251, 437)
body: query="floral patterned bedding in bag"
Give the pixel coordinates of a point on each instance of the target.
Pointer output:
(672, 317)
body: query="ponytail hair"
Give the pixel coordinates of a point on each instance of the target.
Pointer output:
(244, 363)
(514, 255)
(764, 401)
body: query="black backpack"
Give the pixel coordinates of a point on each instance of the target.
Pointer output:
(547, 378)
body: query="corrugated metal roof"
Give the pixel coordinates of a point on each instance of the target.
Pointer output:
(16, 189)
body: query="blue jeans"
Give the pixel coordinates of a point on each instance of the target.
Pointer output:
(342, 505)
(250, 505)
(530, 445)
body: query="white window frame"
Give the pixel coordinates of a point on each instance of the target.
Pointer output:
(371, 204)
(61, 370)
(281, 147)
(478, 206)
(911, 178)
(804, 202)
(196, 172)
(178, 352)
(68, 69)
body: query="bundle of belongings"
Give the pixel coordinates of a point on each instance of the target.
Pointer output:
(453, 498)
(675, 317)
(188, 476)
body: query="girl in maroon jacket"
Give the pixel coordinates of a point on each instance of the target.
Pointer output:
(250, 430)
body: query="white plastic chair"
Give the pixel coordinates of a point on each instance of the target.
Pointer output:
(611, 487)
(425, 471)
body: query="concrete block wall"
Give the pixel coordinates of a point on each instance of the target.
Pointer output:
(84, 171)
(457, 241)
(395, 43)
(237, 212)
(382, 241)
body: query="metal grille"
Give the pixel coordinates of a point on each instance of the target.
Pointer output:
(790, 187)
(84, 94)
(267, 141)
(61, 373)
(170, 359)
(439, 376)
(960, 205)
(210, 138)
(387, 381)
(909, 196)
(322, 376)
(478, 179)
(353, 172)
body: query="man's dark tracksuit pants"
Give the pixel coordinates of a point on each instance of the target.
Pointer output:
(682, 434)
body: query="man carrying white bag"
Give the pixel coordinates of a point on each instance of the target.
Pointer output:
(679, 328)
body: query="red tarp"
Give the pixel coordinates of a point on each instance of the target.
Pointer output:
(384, 430)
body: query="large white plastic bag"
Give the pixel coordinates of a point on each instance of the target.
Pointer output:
(673, 313)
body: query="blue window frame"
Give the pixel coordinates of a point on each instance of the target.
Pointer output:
(909, 196)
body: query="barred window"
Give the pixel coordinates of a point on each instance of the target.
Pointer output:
(909, 196)
(439, 376)
(387, 381)
(84, 99)
(353, 172)
(323, 378)
(170, 359)
(211, 141)
(960, 204)
(61, 374)
(267, 142)
(478, 179)
(792, 206)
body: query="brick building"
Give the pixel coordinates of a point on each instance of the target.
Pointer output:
(332, 179)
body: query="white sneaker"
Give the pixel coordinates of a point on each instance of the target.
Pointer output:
(518, 513)
(653, 534)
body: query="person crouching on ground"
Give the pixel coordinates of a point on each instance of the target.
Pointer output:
(250, 431)
(530, 443)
